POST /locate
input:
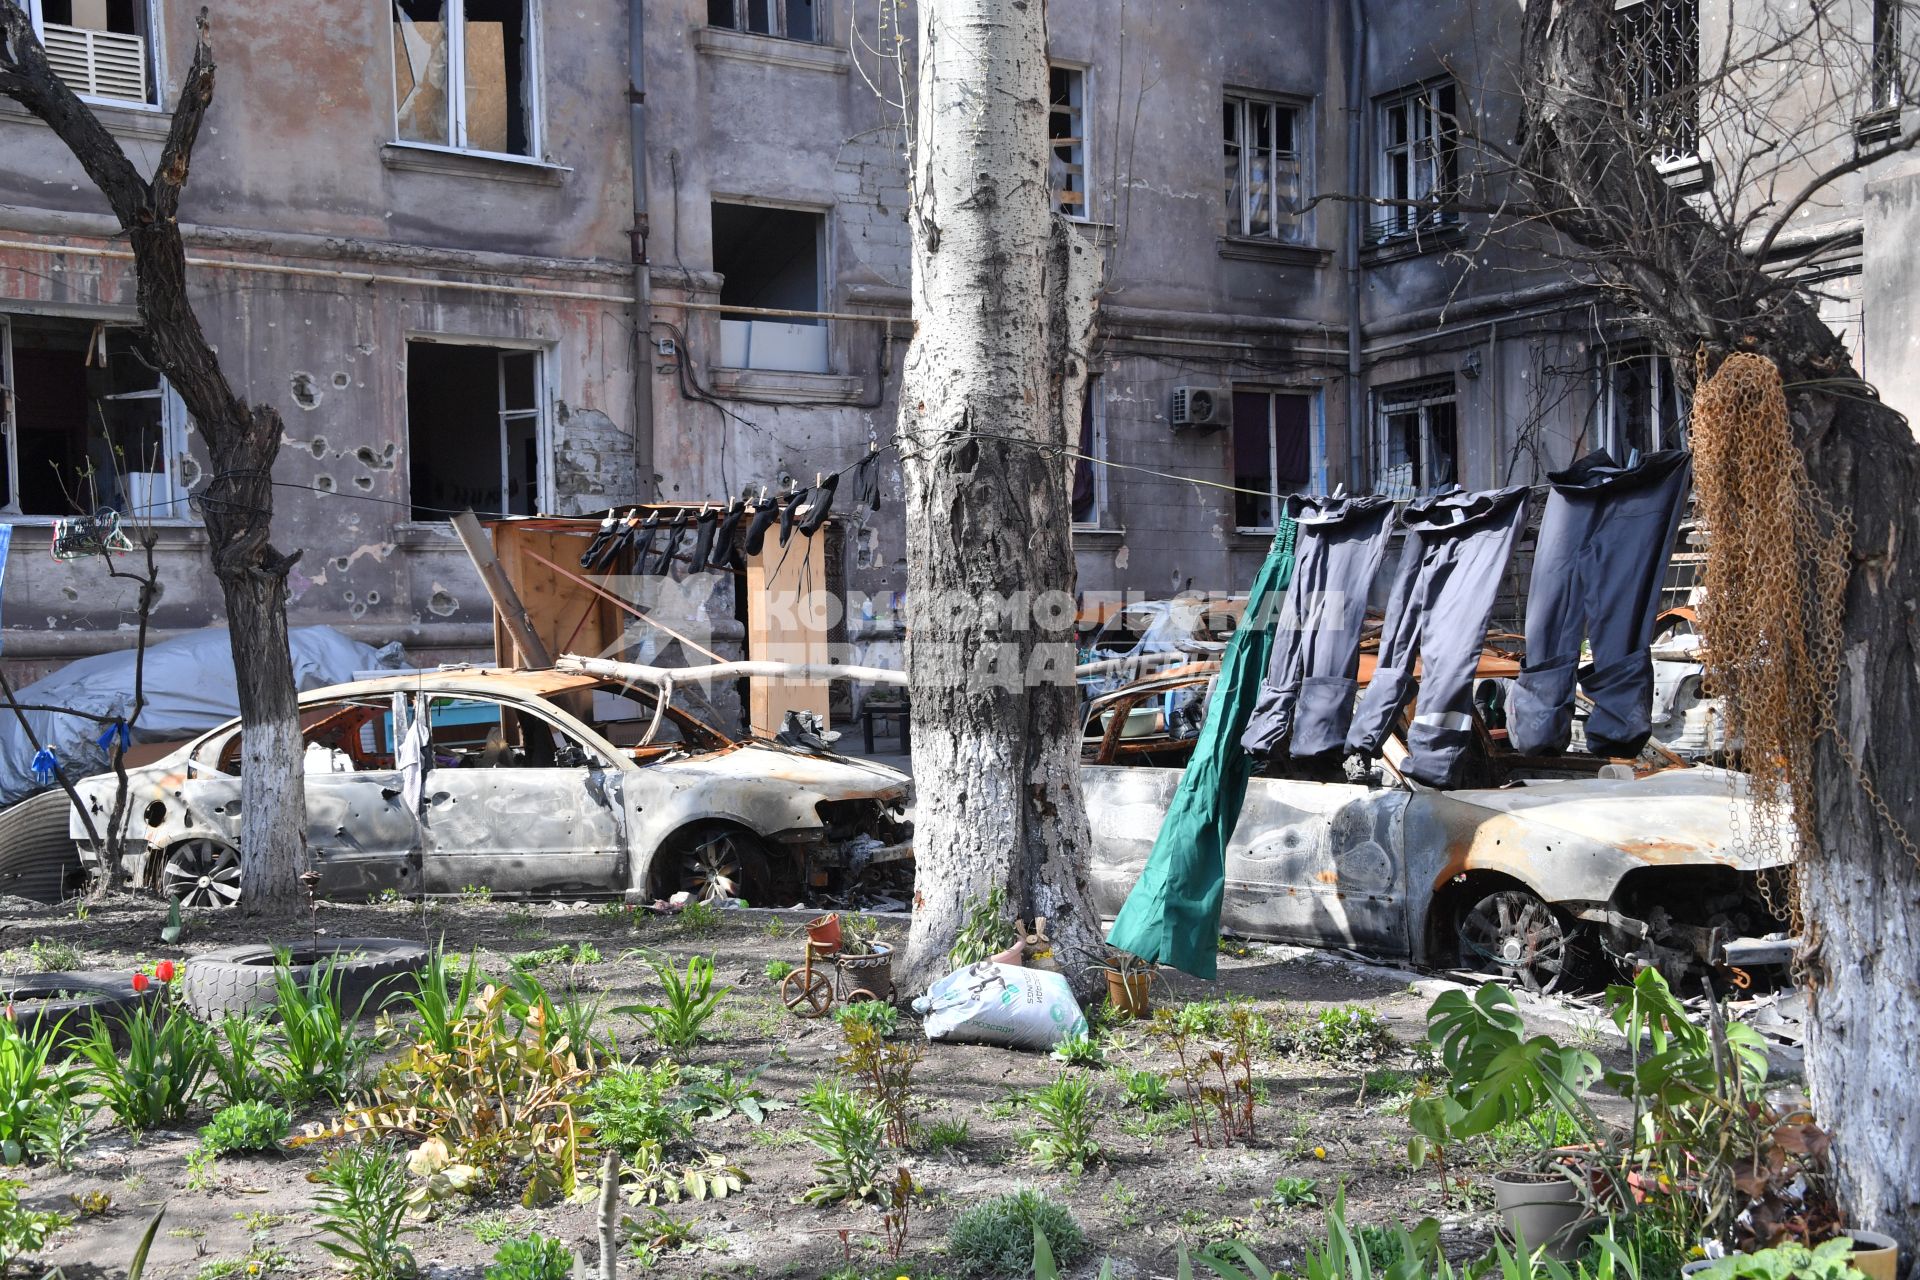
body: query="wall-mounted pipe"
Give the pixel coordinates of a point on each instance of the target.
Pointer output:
(1356, 226)
(642, 273)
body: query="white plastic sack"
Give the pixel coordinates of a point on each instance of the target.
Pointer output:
(989, 1003)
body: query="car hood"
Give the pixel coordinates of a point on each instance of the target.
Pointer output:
(1677, 816)
(835, 777)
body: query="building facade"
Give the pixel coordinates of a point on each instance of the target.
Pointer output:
(521, 257)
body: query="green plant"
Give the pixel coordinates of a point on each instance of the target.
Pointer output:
(1829, 1261)
(943, 1135)
(1291, 1193)
(1345, 1033)
(714, 1093)
(777, 970)
(42, 1115)
(689, 1002)
(859, 935)
(658, 1234)
(322, 1049)
(47, 956)
(882, 1017)
(441, 998)
(1063, 1123)
(244, 1056)
(568, 953)
(847, 1132)
(155, 1079)
(997, 1238)
(537, 1257)
(200, 1169)
(986, 931)
(246, 1126)
(1146, 1090)
(23, 1231)
(476, 895)
(632, 1107)
(1080, 1050)
(491, 1228)
(362, 1207)
(885, 1070)
(698, 917)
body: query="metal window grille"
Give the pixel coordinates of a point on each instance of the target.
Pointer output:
(1887, 87)
(1656, 49)
(1419, 438)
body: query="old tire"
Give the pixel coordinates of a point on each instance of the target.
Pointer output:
(70, 1001)
(240, 980)
(38, 859)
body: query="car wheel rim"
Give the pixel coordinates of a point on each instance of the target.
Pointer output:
(713, 869)
(1518, 935)
(201, 873)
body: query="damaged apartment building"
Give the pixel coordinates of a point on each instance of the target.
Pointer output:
(524, 257)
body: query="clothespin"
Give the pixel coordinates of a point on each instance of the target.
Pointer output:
(44, 766)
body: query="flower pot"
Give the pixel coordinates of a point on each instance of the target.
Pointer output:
(1543, 1210)
(1874, 1256)
(824, 933)
(1128, 992)
(871, 973)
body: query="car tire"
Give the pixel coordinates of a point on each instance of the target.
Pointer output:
(38, 858)
(70, 1001)
(370, 971)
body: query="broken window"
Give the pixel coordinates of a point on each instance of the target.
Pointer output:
(474, 432)
(1641, 404)
(1263, 166)
(1419, 159)
(1420, 439)
(88, 424)
(478, 733)
(769, 259)
(1089, 478)
(788, 19)
(103, 49)
(1272, 452)
(465, 75)
(1656, 49)
(1067, 135)
(1887, 86)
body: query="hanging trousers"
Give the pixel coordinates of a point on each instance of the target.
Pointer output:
(1307, 698)
(1597, 571)
(1456, 550)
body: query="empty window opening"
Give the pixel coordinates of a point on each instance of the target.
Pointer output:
(1641, 403)
(1419, 159)
(88, 424)
(1420, 440)
(1067, 135)
(770, 259)
(1272, 453)
(788, 19)
(101, 48)
(473, 429)
(464, 74)
(1089, 477)
(1263, 167)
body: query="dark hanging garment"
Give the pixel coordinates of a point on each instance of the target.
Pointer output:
(1597, 570)
(1307, 699)
(672, 546)
(639, 540)
(603, 541)
(866, 483)
(1456, 552)
(720, 556)
(763, 518)
(788, 510)
(704, 525)
(820, 503)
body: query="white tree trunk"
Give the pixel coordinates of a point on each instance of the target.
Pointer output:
(1002, 294)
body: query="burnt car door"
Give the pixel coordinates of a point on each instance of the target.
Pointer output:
(515, 803)
(362, 836)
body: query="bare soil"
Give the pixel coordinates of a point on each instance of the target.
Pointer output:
(1145, 1194)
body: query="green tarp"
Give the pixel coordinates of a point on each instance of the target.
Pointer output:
(1173, 913)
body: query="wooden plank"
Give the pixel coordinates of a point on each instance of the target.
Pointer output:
(506, 605)
(779, 630)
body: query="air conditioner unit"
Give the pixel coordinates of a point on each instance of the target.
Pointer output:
(1200, 407)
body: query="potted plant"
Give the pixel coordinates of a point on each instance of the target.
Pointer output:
(1129, 979)
(864, 960)
(824, 933)
(1861, 1253)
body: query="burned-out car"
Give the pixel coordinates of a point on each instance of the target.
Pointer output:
(525, 783)
(1540, 870)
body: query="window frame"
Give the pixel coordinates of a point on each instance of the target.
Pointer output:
(1315, 425)
(1886, 86)
(155, 54)
(1418, 396)
(1608, 428)
(777, 17)
(1095, 400)
(825, 281)
(1284, 227)
(1441, 165)
(174, 424)
(1075, 146)
(1642, 79)
(457, 87)
(543, 411)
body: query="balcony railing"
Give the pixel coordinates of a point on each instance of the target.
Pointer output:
(100, 64)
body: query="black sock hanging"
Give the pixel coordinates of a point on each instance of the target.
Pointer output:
(720, 555)
(788, 510)
(601, 538)
(822, 503)
(702, 541)
(763, 518)
(866, 482)
(674, 532)
(639, 541)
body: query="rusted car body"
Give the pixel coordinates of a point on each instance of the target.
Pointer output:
(525, 783)
(1549, 866)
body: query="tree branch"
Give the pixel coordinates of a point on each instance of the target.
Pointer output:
(196, 95)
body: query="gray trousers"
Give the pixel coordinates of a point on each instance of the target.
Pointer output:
(1307, 697)
(1457, 549)
(1597, 571)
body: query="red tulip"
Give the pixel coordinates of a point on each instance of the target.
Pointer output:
(164, 971)
(141, 982)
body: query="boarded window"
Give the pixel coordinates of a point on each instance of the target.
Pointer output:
(464, 74)
(1067, 135)
(1272, 452)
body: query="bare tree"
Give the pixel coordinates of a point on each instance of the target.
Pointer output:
(242, 440)
(1706, 273)
(1003, 299)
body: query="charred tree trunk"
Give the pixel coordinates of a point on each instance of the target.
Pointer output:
(1860, 887)
(242, 442)
(1002, 294)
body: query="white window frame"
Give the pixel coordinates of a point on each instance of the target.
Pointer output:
(777, 22)
(1097, 403)
(542, 399)
(1416, 397)
(1283, 224)
(457, 87)
(173, 431)
(1607, 399)
(1314, 461)
(1071, 150)
(1424, 155)
(156, 66)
